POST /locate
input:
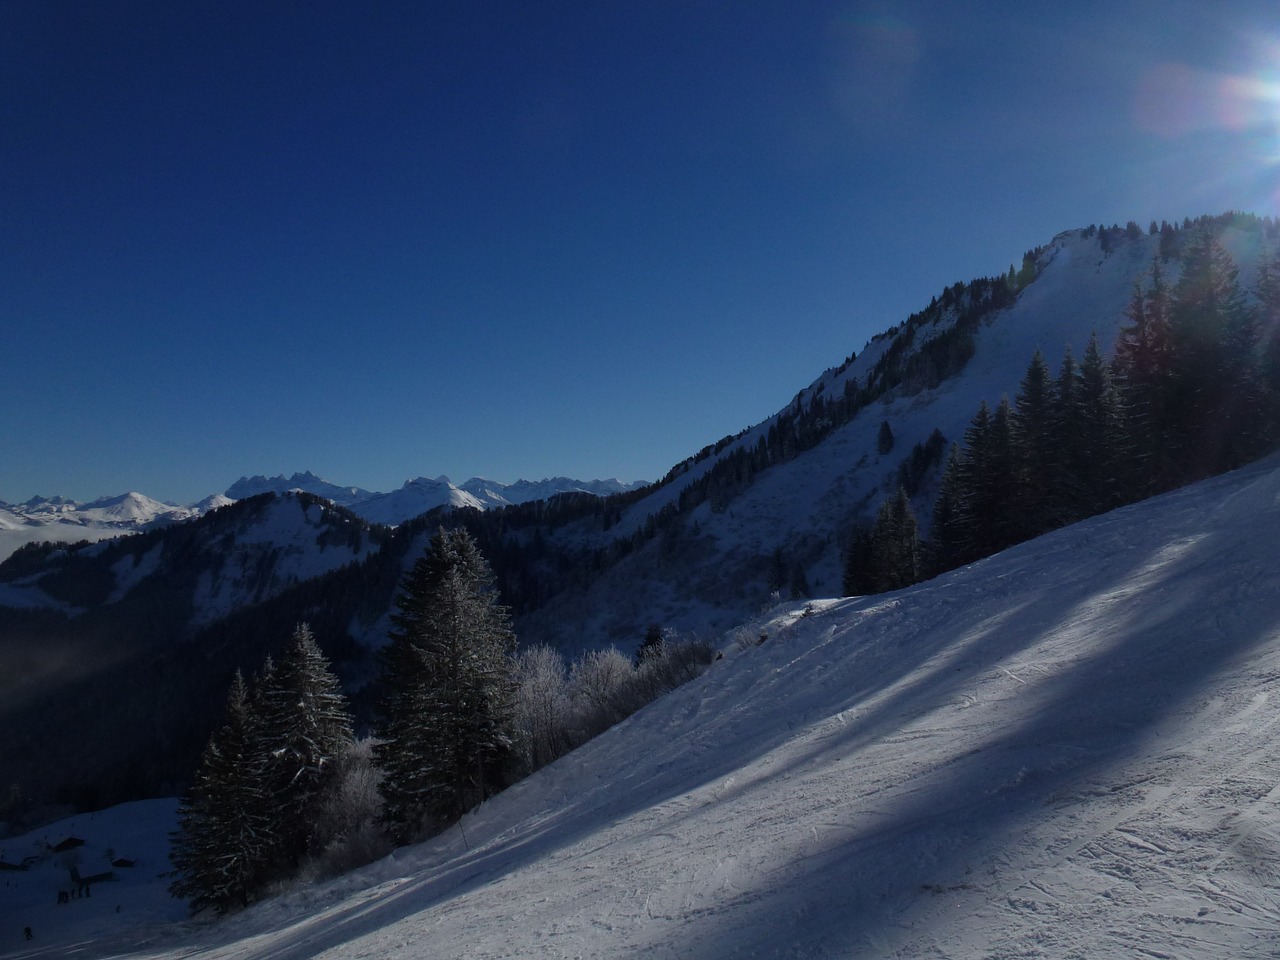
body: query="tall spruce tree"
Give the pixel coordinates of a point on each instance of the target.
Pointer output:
(895, 545)
(1038, 456)
(1143, 376)
(858, 575)
(221, 848)
(948, 534)
(303, 728)
(1213, 332)
(1097, 460)
(448, 677)
(1267, 290)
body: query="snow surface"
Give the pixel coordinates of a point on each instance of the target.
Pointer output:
(134, 898)
(1071, 749)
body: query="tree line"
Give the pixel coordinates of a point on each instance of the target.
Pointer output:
(1193, 390)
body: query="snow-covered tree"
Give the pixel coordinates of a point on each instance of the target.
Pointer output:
(448, 681)
(222, 844)
(303, 728)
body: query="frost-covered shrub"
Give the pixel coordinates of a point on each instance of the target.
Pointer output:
(346, 830)
(678, 662)
(603, 688)
(558, 709)
(542, 708)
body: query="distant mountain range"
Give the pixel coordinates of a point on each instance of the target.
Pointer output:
(63, 520)
(419, 495)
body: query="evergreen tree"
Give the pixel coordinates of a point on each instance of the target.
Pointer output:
(651, 646)
(1268, 293)
(448, 676)
(884, 440)
(221, 848)
(895, 545)
(1213, 332)
(1097, 461)
(946, 546)
(1143, 376)
(1066, 428)
(1038, 456)
(303, 728)
(799, 583)
(858, 576)
(777, 571)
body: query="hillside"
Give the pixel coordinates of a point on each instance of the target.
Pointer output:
(708, 564)
(1069, 749)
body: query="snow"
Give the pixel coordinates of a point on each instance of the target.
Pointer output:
(284, 538)
(135, 898)
(1071, 749)
(61, 520)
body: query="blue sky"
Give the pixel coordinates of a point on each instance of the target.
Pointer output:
(383, 240)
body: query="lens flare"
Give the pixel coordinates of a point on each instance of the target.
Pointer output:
(1239, 113)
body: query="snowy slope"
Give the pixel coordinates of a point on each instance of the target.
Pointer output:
(135, 894)
(1071, 749)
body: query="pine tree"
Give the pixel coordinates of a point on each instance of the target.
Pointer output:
(303, 728)
(1213, 330)
(946, 545)
(858, 576)
(1268, 293)
(1143, 375)
(799, 583)
(1066, 428)
(1097, 461)
(448, 678)
(1038, 456)
(884, 439)
(222, 845)
(895, 545)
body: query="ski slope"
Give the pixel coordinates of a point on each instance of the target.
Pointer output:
(1069, 750)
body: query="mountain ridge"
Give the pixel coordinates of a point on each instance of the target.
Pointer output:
(62, 519)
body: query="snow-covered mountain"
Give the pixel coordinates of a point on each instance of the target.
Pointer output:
(709, 562)
(494, 494)
(307, 482)
(233, 559)
(1068, 749)
(61, 520)
(421, 494)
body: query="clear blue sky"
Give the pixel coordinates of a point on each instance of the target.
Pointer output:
(381, 240)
